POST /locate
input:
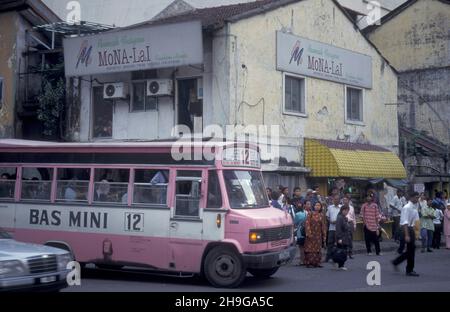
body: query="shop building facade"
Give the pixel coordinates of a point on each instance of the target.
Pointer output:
(301, 65)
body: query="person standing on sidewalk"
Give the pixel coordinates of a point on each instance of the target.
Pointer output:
(299, 222)
(342, 236)
(447, 226)
(316, 231)
(408, 219)
(351, 218)
(426, 224)
(439, 216)
(371, 219)
(332, 213)
(396, 208)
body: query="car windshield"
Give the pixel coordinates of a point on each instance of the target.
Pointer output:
(4, 234)
(245, 189)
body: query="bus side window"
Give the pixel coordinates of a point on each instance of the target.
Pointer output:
(111, 186)
(72, 184)
(187, 197)
(7, 183)
(37, 183)
(150, 187)
(214, 191)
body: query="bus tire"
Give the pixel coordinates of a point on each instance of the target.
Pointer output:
(224, 267)
(263, 273)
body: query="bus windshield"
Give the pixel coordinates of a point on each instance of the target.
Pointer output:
(245, 189)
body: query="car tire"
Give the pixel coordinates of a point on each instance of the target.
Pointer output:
(263, 273)
(224, 267)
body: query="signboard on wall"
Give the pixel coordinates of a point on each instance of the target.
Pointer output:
(144, 48)
(419, 188)
(323, 61)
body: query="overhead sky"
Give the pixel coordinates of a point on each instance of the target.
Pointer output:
(122, 13)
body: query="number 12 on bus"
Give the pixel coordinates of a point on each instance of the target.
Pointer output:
(132, 204)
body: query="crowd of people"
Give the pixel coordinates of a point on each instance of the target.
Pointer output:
(329, 222)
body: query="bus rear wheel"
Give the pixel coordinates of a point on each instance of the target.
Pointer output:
(224, 267)
(263, 273)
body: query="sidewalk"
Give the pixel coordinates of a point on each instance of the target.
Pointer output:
(387, 245)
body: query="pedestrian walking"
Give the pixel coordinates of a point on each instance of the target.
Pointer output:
(439, 217)
(332, 213)
(316, 231)
(408, 218)
(342, 237)
(447, 226)
(427, 215)
(371, 219)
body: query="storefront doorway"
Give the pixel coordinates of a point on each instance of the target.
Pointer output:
(190, 104)
(102, 112)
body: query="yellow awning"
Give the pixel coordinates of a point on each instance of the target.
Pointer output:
(341, 159)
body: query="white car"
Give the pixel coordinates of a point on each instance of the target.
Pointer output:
(30, 267)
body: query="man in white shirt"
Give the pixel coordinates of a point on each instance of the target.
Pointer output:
(332, 213)
(408, 218)
(396, 208)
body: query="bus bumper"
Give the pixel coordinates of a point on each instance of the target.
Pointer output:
(270, 259)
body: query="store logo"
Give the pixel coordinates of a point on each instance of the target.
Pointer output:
(297, 53)
(84, 56)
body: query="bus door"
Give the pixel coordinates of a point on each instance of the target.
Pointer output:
(186, 224)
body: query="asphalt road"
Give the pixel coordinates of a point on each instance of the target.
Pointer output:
(433, 268)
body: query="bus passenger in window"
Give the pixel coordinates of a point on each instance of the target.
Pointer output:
(159, 178)
(102, 192)
(124, 199)
(36, 189)
(70, 194)
(5, 187)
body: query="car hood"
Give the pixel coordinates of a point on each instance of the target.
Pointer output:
(11, 249)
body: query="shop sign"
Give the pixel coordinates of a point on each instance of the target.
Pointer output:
(311, 58)
(143, 48)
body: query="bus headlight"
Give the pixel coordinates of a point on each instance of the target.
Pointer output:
(11, 268)
(63, 260)
(256, 237)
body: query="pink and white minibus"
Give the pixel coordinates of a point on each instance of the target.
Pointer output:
(134, 204)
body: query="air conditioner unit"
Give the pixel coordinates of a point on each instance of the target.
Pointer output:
(118, 90)
(159, 87)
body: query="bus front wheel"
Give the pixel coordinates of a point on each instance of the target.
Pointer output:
(263, 273)
(224, 267)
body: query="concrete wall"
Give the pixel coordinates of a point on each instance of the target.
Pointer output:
(9, 24)
(255, 46)
(417, 43)
(417, 38)
(425, 98)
